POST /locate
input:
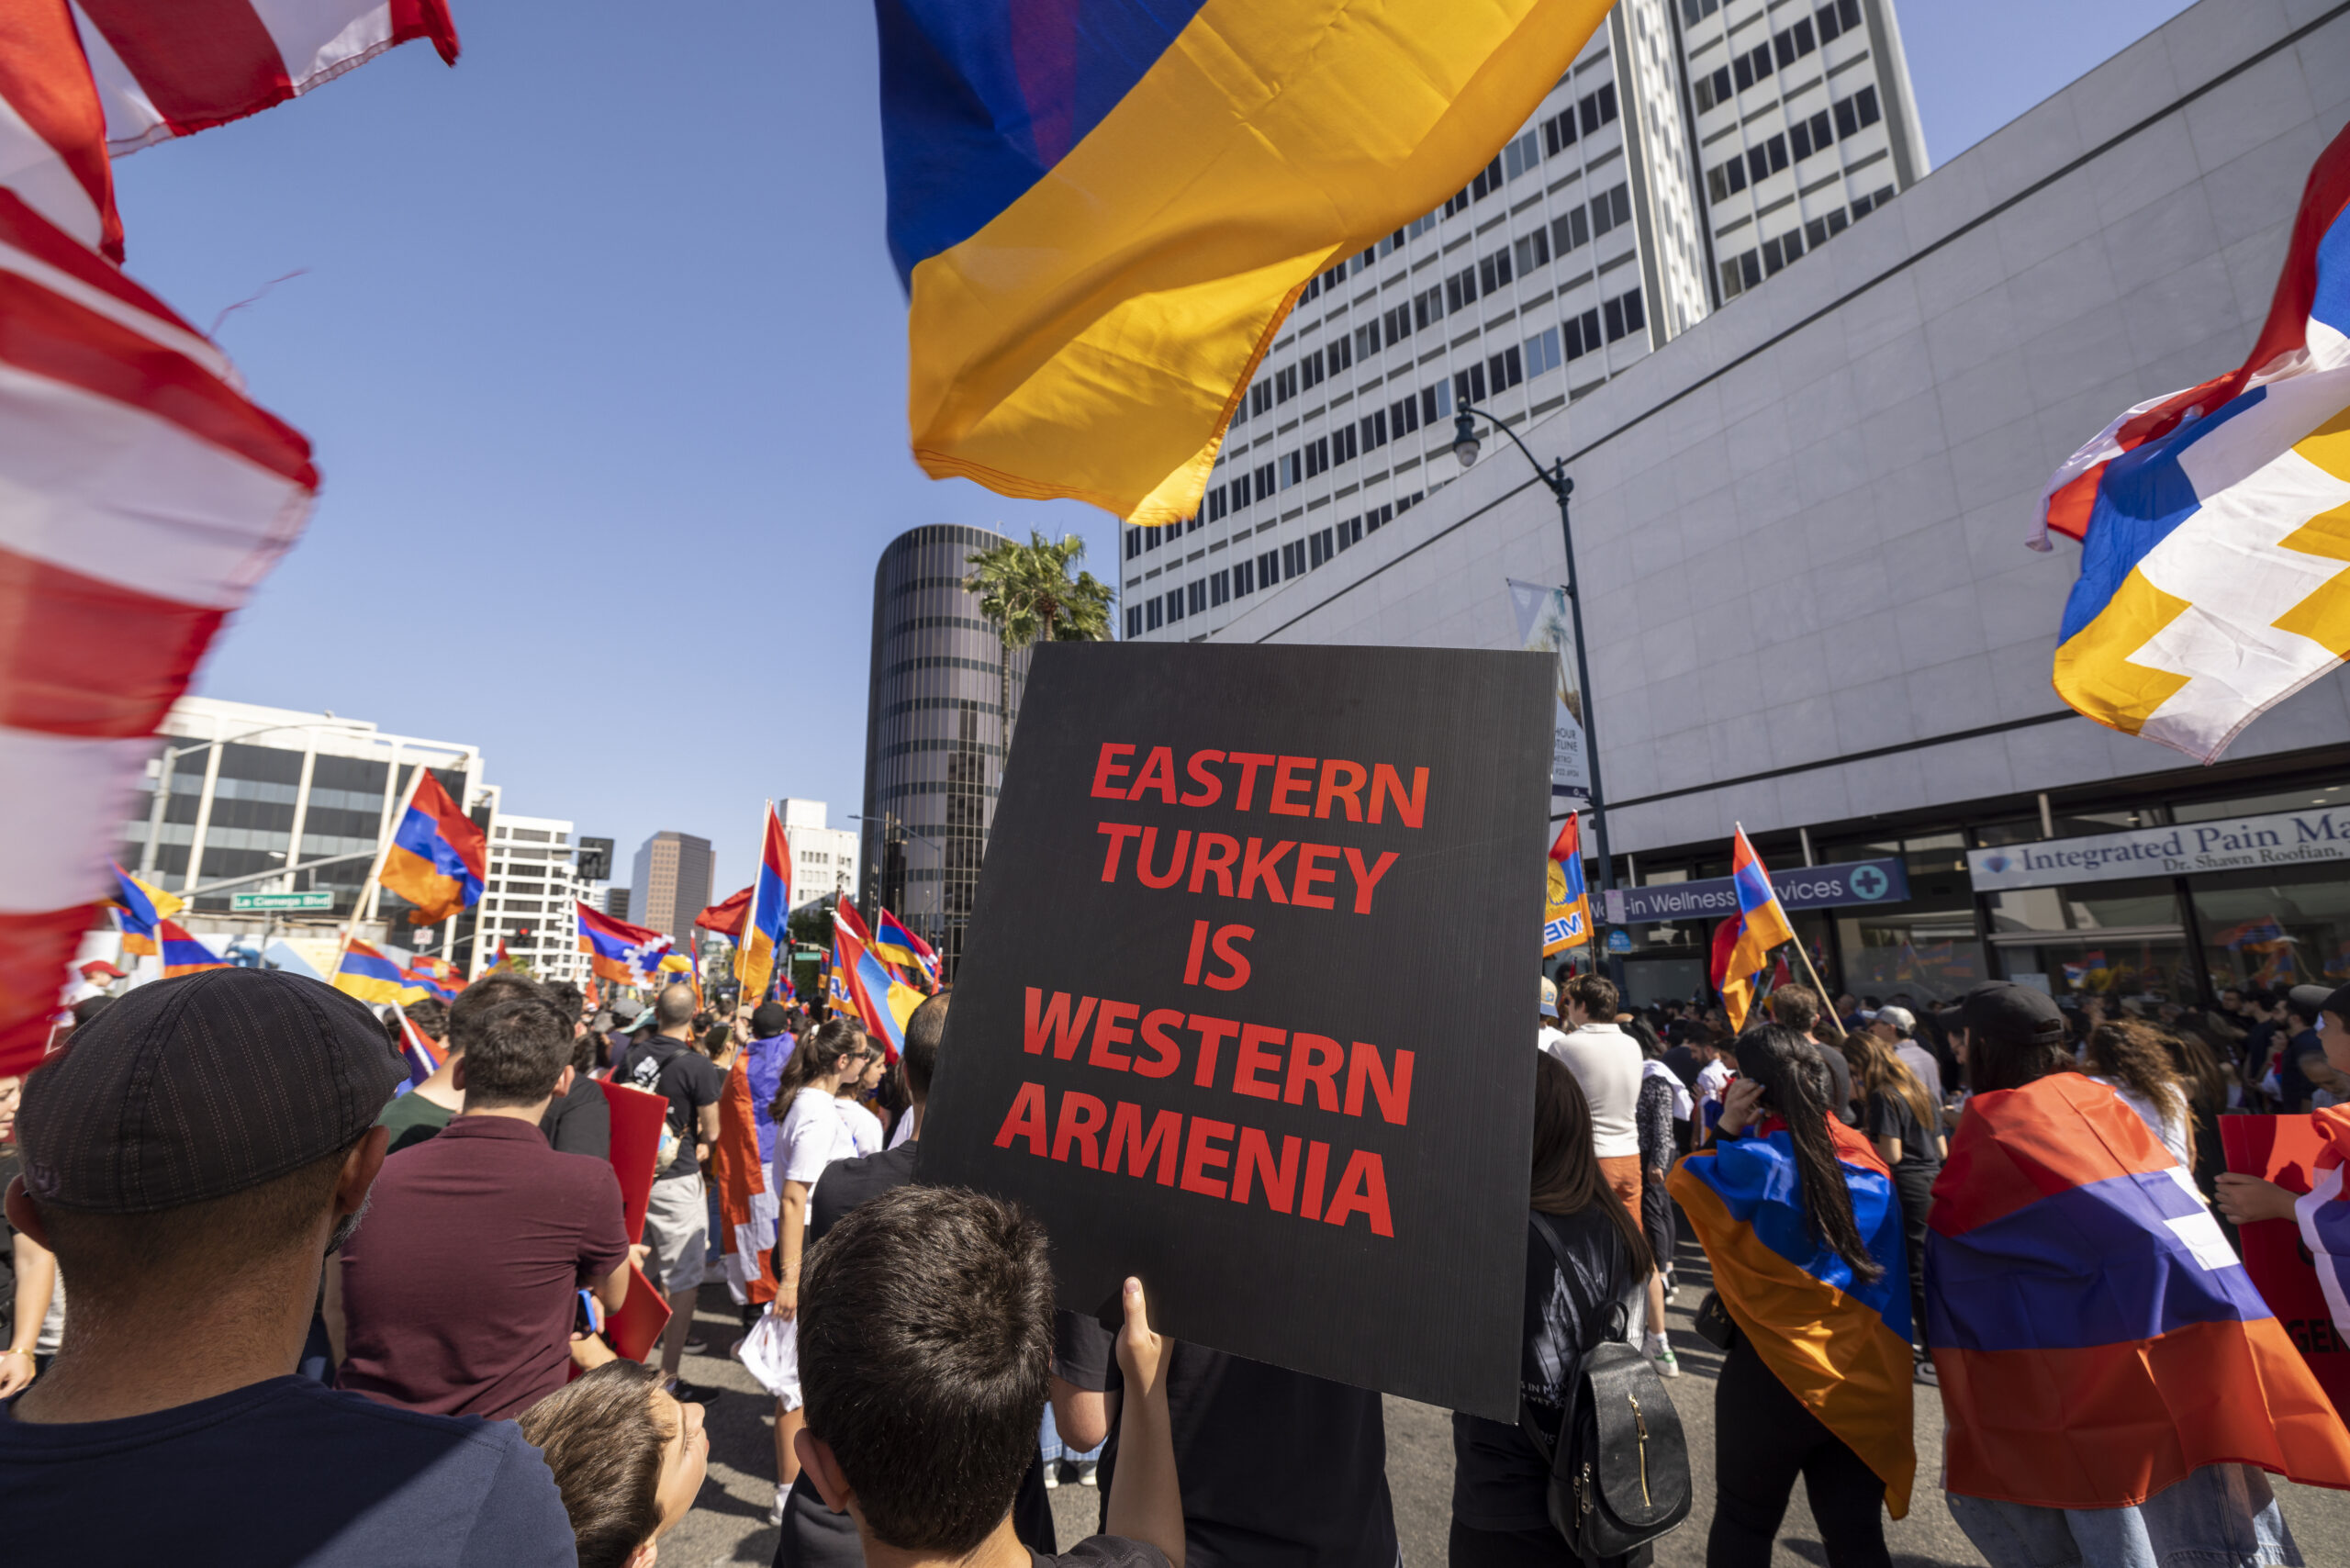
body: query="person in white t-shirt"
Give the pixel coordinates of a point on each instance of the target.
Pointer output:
(1713, 1084)
(811, 1132)
(864, 1126)
(1547, 1033)
(1607, 1063)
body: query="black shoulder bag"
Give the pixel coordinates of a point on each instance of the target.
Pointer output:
(1620, 1473)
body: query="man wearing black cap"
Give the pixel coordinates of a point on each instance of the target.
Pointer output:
(191, 1158)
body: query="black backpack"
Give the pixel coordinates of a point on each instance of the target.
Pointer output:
(1620, 1473)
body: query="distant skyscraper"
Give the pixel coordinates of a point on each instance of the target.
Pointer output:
(671, 884)
(1693, 151)
(934, 734)
(616, 902)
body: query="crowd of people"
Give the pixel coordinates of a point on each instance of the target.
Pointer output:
(244, 1244)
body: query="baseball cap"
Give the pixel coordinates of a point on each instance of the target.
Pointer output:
(2003, 1007)
(2309, 1001)
(768, 1020)
(1900, 1018)
(195, 1088)
(1549, 1000)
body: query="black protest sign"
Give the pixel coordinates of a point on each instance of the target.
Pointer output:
(1248, 999)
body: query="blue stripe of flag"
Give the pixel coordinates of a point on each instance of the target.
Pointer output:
(1756, 1179)
(2104, 1263)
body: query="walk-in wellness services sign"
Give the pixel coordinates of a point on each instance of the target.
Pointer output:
(1804, 886)
(2236, 844)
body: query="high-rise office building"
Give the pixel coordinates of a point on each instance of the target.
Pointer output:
(526, 897)
(942, 688)
(670, 884)
(1695, 148)
(823, 859)
(616, 902)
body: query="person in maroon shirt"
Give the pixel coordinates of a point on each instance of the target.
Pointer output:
(456, 1294)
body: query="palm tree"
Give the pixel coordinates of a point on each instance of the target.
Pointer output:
(1026, 592)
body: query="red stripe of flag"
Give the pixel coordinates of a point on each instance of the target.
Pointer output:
(46, 334)
(34, 951)
(45, 77)
(29, 231)
(82, 656)
(201, 63)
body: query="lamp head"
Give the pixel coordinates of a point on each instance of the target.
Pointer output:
(1464, 438)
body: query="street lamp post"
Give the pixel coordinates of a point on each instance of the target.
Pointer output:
(1465, 447)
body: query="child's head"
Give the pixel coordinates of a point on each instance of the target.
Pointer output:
(626, 1456)
(925, 1352)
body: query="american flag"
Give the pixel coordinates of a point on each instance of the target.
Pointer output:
(142, 494)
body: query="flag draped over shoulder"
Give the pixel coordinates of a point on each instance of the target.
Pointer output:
(740, 1161)
(1840, 1346)
(759, 934)
(630, 955)
(1566, 914)
(148, 495)
(1101, 214)
(439, 856)
(2095, 1337)
(2215, 522)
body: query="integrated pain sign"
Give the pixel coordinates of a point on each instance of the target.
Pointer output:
(1238, 1012)
(2235, 843)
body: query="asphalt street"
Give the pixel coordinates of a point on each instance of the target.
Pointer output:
(729, 1524)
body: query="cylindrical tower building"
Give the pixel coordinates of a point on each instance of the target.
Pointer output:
(940, 702)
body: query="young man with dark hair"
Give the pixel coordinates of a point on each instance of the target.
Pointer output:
(191, 1159)
(1798, 1007)
(815, 1536)
(925, 1350)
(676, 1222)
(1607, 1063)
(457, 1296)
(581, 1120)
(424, 1110)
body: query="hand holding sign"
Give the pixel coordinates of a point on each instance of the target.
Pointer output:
(1245, 1003)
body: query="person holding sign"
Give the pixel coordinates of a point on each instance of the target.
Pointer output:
(2322, 1214)
(1500, 1484)
(926, 1341)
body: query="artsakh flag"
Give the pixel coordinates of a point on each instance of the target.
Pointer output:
(2096, 1336)
(439, 856)
(1840, 1346)
(2323, 1213)
(182, 954)
(2214, 522)
(630, 955)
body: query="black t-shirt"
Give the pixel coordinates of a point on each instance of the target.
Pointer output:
(1682, 1062)
(581, 1122)
(1842, 1071)
(2297, 1084)
(848, 1183)
(1279, 1470)
(814, 1536)
(1499, 1483)
(285, 1471)
(1889, 1116)
(687, 1079)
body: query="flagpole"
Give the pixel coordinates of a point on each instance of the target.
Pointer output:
(1801, 951)
(375, 872)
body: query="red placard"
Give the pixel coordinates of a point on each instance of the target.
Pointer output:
(635, 1329)
(637, 1119)
(2284, 1150)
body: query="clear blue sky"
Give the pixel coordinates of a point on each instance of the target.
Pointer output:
(604, 361)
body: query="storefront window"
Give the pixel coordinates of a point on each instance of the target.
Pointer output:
(2109, 939)
(2261, 805)
(2271, 929)
(1932, 957)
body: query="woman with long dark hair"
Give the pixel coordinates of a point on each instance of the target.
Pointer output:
(1798, 1216)
(2129, 1057)
(1500, 1484)
(1901, 1119)
(811, 1132)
